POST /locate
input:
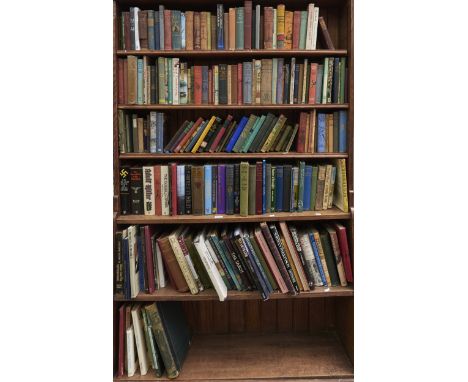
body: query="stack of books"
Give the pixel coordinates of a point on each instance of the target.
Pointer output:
(266, 257)
(233, 188)
(153, 337)
(168, 81)
(244, 27)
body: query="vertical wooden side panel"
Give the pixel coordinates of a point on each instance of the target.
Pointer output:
(116, 166)
(204, 317)
(236, 316)
(332, 25)
(316, 314)
(220, 317)
(285, 315)
(268, 316)
(252, 316)
(344, 319)
(330, 313)
(301, 315)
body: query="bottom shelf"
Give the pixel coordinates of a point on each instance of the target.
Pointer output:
(235, 357)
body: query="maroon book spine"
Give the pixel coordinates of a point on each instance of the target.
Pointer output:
(120, 71)
(210, 86)
(248, 24)
(197, 79)
(167, 30)
(220, 134)
(296, 29)
(174, 188)
(121, 341)
(343, 243)
(301, 134)
(259, 188)
(149, 259)
(128, 42)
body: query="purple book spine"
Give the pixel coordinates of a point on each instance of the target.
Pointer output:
(221, 200)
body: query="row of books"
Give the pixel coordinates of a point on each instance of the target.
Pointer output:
(163, 80)
(239, 28)
(152, 337)
(316, 132)
(240, 188)
(266, 257)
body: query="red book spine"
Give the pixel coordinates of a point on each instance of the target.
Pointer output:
(301, 134)
(174, 189)
(149, 259)
(312, 83)
(220, 134)
(197, 80)
(210, 86)
(128, 42)
(258, 188)
(121, 340)
(157, 191)
(239, 83)
(296, 29)
(167, 30)
(343, 243)
(188, 135)
(248, 24)
(125, 81)
(120, 71)
(268, 28)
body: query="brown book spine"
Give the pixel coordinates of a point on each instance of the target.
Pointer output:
(288, 30)
(301, 134)
(132, 79)
(189, 30)
(226, 30)
(173, 167)
(296, 29)
(320, 188)
(213, 31)
(258, 188)
(239, 83)
(313, 82)
(143, 29)
(197, 78)
(326, 39)
(247, 24)
(121, 79)
(125, 83)
(172, 266)
(196, 31)
(330, 136)
(157, 190)
(204, 30)
(312, 127)
(198, 190)
(268, 28)
(234, 83)
(210, 86)
(128, 42)
(167, 30)
(188, 135)
(265, 87)
(232, 28)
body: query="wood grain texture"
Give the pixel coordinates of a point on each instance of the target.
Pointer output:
(300, 315)
(249, 356)
(332, 106)
(236, 317)
(195, 54)
(268, 316)
(252, 316)
(229, 156)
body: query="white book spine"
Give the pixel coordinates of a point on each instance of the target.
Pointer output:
(309, 258)
(314, 28)
(133, 257)
(175, 81)
(148, 189)
(274, 28)
(194, 272)
(164, 190)
(291, 81)
(216, 84)
(136, 10)
(161, 276)
(310, 22)
(325, 80)
(257, 27)
(153, 134)
(131, 361)
(140, 341)
(210, 267)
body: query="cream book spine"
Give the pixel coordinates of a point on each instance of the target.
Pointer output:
(148, 189)
(133, 257)
(310, 22)
(309, 258)
(314, 28)
(131, 361)
(165, 190)
(140, 340)
(175, 81)
(179, 255)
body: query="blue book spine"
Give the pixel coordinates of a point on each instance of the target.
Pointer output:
(321, 133)
(343, 121)
(279, 189)
(208, 194)
(292, 205)
(319, 84)
(126, 262)
(236, 134)
(141, 263)
(263, 186)
(151, 29)
(175, 29)
(156, 30)
(247, 82)
(317, 258)
(307, 186)
(296, 84)
(161, 27)
(182, 30)
(221, 194)
(140, 81)
(160, 132)
(204, 84)
(220, 26)
(280, 82)
(195, 139)
(252, 258)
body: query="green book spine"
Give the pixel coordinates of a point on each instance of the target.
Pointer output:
(313, 187)
(244, 134)
(169, 80)
(284, 137)
(198, 264)
(140, 83)
(300, 198)
(263, 263)
(325, 81)
(274, 80)
(128, 133)
(240, 28)
(273, 188)
(253, 133)
(263, 133)
(330, 79)
(244, 188)
(329, 258)
(122, 132)
(342, 74)
(252, 184)
(162, 76)
(274, 133)
(303, 29)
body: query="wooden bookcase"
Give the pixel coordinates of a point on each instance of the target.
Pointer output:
(305, 337)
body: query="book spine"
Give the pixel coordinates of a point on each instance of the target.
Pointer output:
(167, 30)
(220, 26)
(221, 189)
(188, 189)
(230, 189)
(240, 28)
(208, 189)
(148, 184)
(136, 187)
(248, 24)
(125, 201)
(307, 270)
(196, 30)
(280, 26)
(165, 191)
(258, 188)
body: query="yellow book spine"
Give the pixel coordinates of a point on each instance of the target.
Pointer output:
(344, 184)
(179, 255)
(202, 137)
(280, 26)
(293, 265)
(274, 133)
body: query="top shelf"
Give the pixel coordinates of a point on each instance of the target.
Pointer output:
(235, 53)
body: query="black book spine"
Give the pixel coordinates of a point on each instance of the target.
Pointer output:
(231, 285)
(284, 257)
(214, 188)
(266, 129)
(119, 278)
(136, 190)
(188, 189)
(230, 189)
(240, 255)
(146, 135)
(132, 28)
(245, 283)
(154, 84)
(237, 188)
(125, 205)
(223, 84)
(142, 257)
(227, 137)
(287, 170)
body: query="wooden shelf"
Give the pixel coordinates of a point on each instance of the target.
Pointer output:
(231, 156)
(170, 294)
(332, 106)
(245, 357)
(333, 213)
(235, 53)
